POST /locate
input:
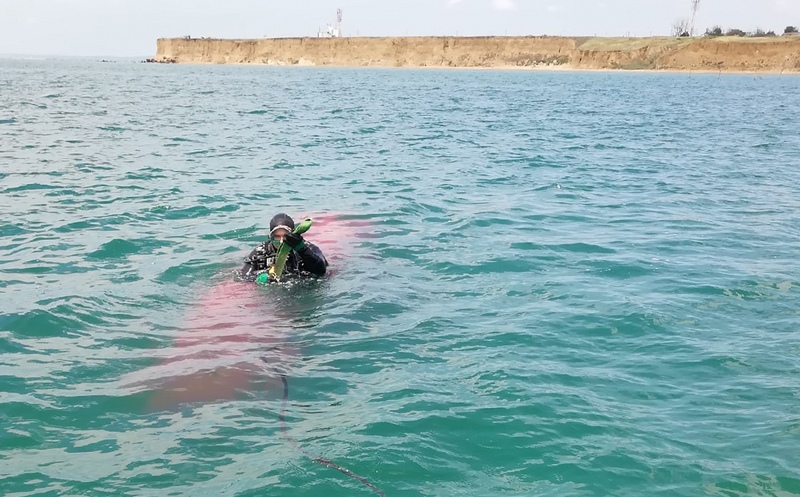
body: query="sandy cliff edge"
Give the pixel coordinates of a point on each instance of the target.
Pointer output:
(732, 54)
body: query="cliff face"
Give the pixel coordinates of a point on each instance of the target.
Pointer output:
(776, 54)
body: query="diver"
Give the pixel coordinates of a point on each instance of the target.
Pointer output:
(304, 259)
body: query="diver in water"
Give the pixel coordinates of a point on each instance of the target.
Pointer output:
(304, 259)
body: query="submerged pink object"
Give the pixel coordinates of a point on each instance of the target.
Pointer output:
(234, 341)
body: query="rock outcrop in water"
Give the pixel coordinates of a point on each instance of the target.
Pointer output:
(772, 54)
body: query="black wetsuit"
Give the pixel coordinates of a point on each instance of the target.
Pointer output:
(307, 260)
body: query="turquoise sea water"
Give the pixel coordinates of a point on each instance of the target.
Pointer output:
(544, 284)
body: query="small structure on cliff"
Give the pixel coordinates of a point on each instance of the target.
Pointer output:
(334, 31)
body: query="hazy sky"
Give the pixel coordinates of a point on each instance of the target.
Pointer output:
(131, 27)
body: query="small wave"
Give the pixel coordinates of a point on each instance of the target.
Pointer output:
(120, 249)
(87, 167)
(419, 208)
(749, 291)
(204, 151)
(482, 222)
(145, 175)
(493, 266)
(63, 321)
(33, 104)
(30, 187)
(190, 271)
(426, 138)
(12, 230)
(581, 248)
(10, 345)
(187, 213)
(749, 485)
(620, 270)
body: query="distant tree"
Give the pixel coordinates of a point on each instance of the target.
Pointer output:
(735, 32)
(759, 33)
(790, 30)
(715, 31)
(681, 27)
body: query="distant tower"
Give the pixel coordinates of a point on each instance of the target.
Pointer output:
(334, 31)
(695, 5)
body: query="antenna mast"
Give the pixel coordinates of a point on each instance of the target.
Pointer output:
(695, 5)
